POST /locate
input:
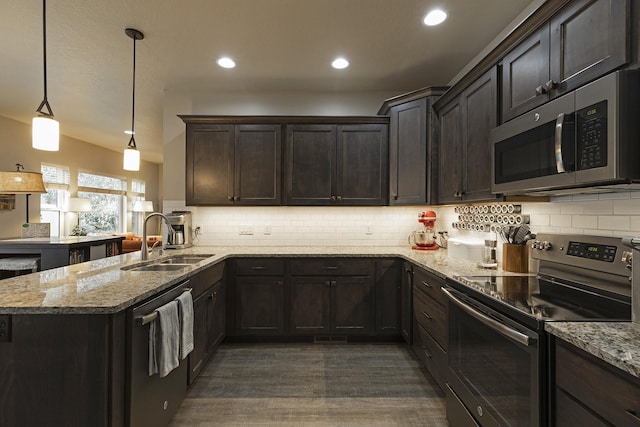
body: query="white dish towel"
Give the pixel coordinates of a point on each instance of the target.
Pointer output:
(185, 316)
(164, 342)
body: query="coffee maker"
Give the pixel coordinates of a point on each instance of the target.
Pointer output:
(181, 223)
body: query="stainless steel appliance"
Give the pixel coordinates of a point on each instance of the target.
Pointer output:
(586, 138)
(498, 364)
(182, 224)
(633, 262)
(151, 400)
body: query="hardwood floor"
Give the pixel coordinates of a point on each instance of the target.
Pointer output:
(312, 385)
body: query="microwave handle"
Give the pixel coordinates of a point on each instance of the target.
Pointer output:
(558, 144)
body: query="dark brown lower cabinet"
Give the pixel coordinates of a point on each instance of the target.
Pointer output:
(64, 370)
(388, 297)
(406, 304)
(589, 391)
(208, 327)
(331, 305)
(259, 305)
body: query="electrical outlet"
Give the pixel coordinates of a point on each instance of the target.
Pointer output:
(267, 229)
(246, 229)
(5, 328)
(368, 229)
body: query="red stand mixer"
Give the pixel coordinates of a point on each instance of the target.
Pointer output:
(425, 239)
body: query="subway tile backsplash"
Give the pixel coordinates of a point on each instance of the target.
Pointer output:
(607, 214)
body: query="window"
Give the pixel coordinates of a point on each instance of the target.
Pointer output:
(108, 201)
(137, 194)
(56, 181)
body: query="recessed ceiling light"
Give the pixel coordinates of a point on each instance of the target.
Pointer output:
(435, 17)
(226, 62)
(340, 63)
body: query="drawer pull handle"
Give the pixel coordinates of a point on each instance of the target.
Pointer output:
(634, 416)
(427, 315)
(426, 353)
(259, 268)
(428, 285)
(328, 267)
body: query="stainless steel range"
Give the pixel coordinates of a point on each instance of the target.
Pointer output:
(498, 357)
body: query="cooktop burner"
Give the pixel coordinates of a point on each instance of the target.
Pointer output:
(547, 300)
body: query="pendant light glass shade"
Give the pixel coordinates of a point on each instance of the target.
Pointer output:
(131, 159)
(45, 134)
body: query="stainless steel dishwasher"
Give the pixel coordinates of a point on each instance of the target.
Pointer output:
(151, 400)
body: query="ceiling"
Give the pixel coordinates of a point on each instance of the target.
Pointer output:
(279, 46)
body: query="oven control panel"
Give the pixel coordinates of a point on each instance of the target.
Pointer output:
(599, 253)
(592, 251)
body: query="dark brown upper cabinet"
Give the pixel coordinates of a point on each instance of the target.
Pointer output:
(464, 169)
(583, 41)
(412, 130)
(336, 164)
(231, 164)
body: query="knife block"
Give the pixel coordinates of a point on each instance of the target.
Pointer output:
(515, 258)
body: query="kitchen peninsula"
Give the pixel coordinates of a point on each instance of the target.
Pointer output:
(63, 331)
(60, 251)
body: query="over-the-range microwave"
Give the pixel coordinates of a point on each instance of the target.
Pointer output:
(586, 139)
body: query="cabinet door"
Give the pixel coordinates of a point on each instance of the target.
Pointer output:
(197, 356)
(216, 314)
(259, 305)
(310, 171)
(388, 297)
(589, 38)
(209, 174)
(479, 113)
(524, 69)
(351, 306)
(406, 304)
(450, 154)
(408, 154)
(362, 164)
(310, 305)
(257, 165)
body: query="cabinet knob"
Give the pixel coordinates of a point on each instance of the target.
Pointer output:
(328, 283)
(236, 198)
(333, 199)
(540, 90)
(230, 198)
(550, 85)
(426, 353)
(425, 314)
(339, 198)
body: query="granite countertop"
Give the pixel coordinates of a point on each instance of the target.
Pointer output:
(103, 287)
(617, 343)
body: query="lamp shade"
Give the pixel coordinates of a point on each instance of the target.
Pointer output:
(142, 206)
(131, 159)
(21, 183)
(45, 134)
(78, 204)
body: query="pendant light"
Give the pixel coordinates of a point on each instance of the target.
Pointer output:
(131, 153)
(45, 129)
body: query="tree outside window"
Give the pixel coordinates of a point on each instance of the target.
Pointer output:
(108, 198)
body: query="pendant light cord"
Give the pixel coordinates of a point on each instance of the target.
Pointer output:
(132, 141)
(45, 101)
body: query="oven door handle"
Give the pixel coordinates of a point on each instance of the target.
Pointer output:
(504, 330)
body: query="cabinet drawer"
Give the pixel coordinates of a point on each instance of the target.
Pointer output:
(259, 267)
(331, 267)
(604, 389)
(431, 355)
(204, 279)
(429, 284)
(431, 316)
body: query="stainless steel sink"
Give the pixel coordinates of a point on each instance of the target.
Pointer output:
(159, 267)
(185, 259)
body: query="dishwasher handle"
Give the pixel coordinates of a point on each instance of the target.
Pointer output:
(501, 328)
(151, 317)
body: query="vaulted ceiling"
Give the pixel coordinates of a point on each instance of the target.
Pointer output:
(279, 46)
